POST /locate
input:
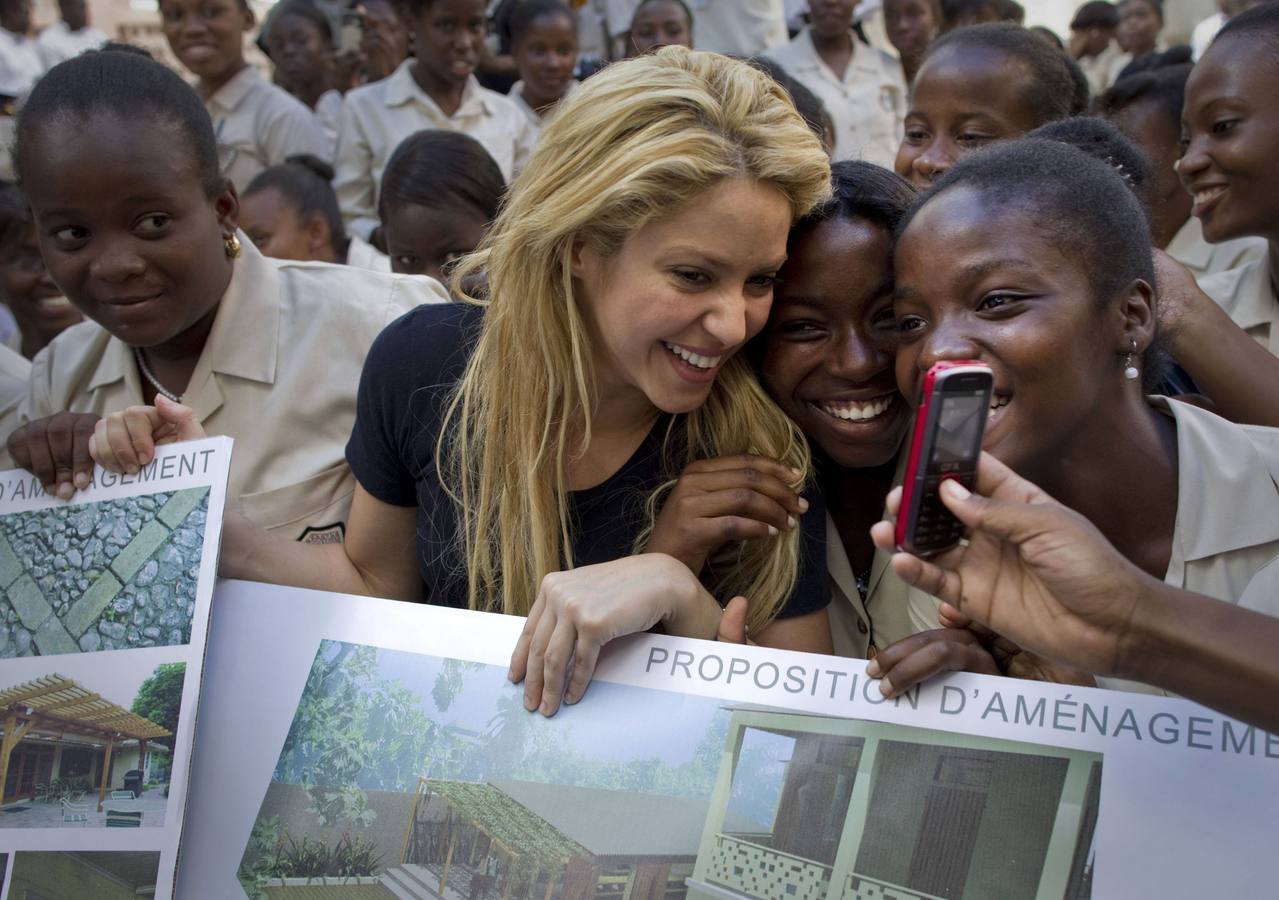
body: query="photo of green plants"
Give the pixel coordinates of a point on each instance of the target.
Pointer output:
(410, 776)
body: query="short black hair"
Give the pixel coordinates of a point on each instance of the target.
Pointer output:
(807, 104)
(1052, 90)
(1259, 22)
(1165, 88)
(304, 181)
(1048, 35)
(1156, 5)
(1095, 14)
(1102, 140)
(530, 11)
(1011, 11)
(956, 12)
(688, 12)
(440, 169)
(862, 190)
(15, 215)
(1078, 202)
(304, 9)
(128, 86)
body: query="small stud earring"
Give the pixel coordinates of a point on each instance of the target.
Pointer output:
(1130, 370)
(231, 244)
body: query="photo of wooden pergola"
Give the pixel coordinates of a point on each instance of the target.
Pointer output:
(47, 713)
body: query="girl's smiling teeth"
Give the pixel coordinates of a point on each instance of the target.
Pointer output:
(693, 359)
(856, 410)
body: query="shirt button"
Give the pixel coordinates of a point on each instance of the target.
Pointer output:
(861, 626)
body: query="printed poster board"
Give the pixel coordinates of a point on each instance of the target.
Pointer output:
(104, 610)
(363, 748)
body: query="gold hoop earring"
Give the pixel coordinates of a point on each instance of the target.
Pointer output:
(231, 244)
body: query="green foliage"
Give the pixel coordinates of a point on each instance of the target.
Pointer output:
(160, 696)
(269, 856)
(260, 861)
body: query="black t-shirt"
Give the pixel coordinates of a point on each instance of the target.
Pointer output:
(410, 372)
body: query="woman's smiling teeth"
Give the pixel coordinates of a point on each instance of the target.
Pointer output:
(856, 410)
(997, 402)
(693, 359)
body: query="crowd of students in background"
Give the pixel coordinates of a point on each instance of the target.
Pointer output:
(534, 307)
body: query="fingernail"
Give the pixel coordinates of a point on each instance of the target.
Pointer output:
(886, 687)
(803, 505)
(790, 521)
(772, 531)
(872, 668)
(545, 708)
(569, 699)
(81, 481)
(957, 490)
(796, 472)
(529, 705)
(66, 490)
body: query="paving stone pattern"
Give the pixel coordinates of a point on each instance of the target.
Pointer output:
(101, 576)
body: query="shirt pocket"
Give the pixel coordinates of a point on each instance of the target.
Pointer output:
(312, 510)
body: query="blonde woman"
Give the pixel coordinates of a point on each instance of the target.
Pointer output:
(520, 434)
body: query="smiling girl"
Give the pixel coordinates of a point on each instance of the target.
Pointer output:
(437, 89)
(1186, 496)
(1230, 132)
(117, 158)
(256, 124)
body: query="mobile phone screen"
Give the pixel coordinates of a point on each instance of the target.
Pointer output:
(959, 427)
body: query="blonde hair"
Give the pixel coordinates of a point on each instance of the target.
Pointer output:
(633, 144)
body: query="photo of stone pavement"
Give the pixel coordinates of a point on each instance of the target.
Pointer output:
(111, 575)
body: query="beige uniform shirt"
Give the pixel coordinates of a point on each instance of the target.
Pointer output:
(258, 125)
(364, 255)
(1247, 294)
(1225, 539)
(884, 618)
(377, 117)
(327, 112)
(1104, 68)
(58, 42)
(1189, 248)
(738, 27)
(279, 374)
(15, 375)
(867, 105)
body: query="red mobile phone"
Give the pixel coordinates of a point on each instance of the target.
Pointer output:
(945, 443)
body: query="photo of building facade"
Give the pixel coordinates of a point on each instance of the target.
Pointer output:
(870, 810)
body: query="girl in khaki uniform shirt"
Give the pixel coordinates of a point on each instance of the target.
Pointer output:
(1186, 496)
(138, 228)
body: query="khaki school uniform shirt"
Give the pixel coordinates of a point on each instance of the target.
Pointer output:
(15, 375)
(1248, 296)
(738, 27)
(1104, 68)
(364, 255)
(258, 125)
(883, 618)
(279, 374)
(1225, 539)
(867, 106)
(377, 117)
(58, 42)
(1189, 248)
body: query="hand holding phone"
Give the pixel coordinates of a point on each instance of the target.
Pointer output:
(945, 443)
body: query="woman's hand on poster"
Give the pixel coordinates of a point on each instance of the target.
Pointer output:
(56, 450)
(126, 441)
(1037, 573)
(580, 610)
(725, 499)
